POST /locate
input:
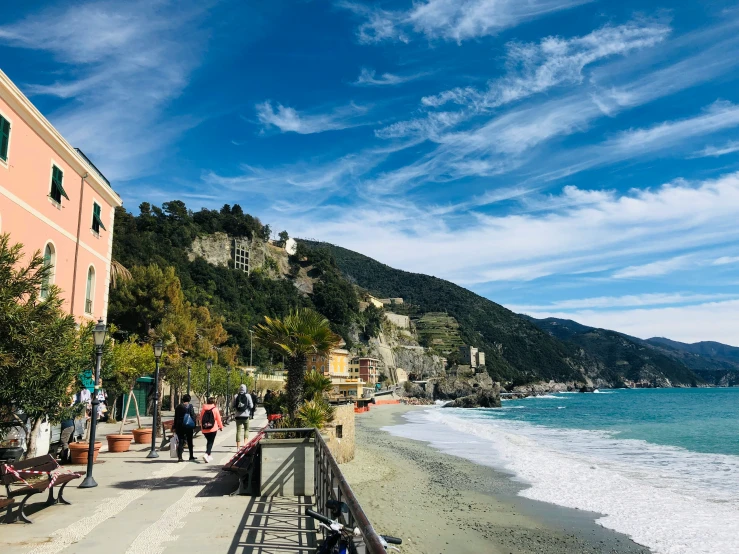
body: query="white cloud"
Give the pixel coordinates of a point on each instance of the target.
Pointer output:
(716, 151)
(591, 237)
(537, 67)
(626, 301)
(369, 77)
(122, 67)
(456, 20)
(726, 260)
(660, 267)
(288, 119)
(700, 322)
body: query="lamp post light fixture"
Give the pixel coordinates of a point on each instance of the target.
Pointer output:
(251, 348)
(98, 335)
(158, 349)
(208, 366)
(189, 371)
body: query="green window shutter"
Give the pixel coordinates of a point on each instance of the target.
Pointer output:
(96, 220)
(4, 138)
(56, 180)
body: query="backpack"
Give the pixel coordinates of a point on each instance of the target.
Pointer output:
(187, 420)
(242, 402)
(208, 420)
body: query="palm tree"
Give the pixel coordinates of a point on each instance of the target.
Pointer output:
(118, 272)
(302, 333)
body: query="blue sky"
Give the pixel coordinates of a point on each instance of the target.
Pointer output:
(561, 157)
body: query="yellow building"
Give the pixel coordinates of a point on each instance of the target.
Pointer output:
(336, 366)
(348, 388)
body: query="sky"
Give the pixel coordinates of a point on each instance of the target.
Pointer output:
(564, 158)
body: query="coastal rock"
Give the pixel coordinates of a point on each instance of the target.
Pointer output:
(413, 390)
(489, 398)
(453, 387)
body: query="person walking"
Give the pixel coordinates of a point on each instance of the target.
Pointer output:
(266, 401)
(67, 430)
(253, 405)
(210, 424)
(184, 425)
(242, 405)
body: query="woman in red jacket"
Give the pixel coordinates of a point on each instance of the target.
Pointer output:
(210, 424)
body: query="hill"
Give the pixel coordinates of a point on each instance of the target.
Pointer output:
(714, 362)
(516, 350)
(621, 356)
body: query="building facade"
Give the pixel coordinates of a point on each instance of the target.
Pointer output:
(471, 356)
(55, 201)
(335, 365)
(365, 369)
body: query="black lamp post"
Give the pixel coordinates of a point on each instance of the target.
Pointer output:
(208, 366)
(158, 348)
(228, 391)
(189, 370)
(98, 335)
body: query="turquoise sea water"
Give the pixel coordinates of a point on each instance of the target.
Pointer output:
(700, 420)
(660, 465)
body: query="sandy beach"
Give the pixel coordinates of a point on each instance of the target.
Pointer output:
(443, 504)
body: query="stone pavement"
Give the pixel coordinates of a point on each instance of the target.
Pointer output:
(144, 506)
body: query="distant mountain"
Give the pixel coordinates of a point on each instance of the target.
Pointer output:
(714, 362)
(621, 356)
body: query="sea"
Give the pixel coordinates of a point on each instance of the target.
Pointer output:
(660, 465)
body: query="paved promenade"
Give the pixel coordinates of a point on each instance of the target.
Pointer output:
(144, 506)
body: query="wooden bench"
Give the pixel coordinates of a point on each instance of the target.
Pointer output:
(167, 427)
(34, 476)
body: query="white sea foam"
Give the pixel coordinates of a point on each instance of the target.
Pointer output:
(670, 499)
(544, 396)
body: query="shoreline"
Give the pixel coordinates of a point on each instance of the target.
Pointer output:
(439, 503)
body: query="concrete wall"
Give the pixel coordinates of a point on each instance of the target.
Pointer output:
(341, 448)
(402, 321)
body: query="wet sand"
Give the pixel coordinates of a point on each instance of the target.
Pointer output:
(439, 503)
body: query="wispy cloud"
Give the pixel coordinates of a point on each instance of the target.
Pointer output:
(131, 60)
(653, 269)
(455, 20)
(368, 77)
(625, 301)
(288, 119)
(716, 151)
(726, 260)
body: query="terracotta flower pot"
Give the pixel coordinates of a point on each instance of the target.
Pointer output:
(119, 443)
(79, 450)
(142, 436)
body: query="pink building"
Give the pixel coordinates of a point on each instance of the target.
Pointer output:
(53, 199)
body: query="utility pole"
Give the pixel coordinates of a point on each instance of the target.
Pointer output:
(251, 348)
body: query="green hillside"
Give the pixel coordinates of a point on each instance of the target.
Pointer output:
(619, 355)
(515, 349)
(714, 362)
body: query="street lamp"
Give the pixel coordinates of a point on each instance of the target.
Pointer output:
(189, 370)
(228, 391)
(208, 366)
(98, 335)
(158, 348)
(251, 348)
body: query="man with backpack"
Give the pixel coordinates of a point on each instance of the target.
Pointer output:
(210, 423)
(184, 426)
(242, 405)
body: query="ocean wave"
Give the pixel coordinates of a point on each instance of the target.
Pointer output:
(629, 481)
(544, 396)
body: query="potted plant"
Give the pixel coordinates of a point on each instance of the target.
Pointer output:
(79, 452)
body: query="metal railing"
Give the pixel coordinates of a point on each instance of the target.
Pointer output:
(330, 484)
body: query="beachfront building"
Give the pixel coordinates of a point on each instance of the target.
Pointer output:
(335, 365)
(366, 369)
(471, 356)
(55, 201)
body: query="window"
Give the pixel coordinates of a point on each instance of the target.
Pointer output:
(49, 261)
(4, 138)
(57, 190)
(97, 223)
(90, 290)
(241, 255)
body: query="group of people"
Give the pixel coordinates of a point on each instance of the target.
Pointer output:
(243, 404)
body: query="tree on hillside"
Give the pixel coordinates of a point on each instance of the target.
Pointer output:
(40, 355)
(302, 333)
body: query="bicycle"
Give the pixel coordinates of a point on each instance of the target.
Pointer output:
(340, 539)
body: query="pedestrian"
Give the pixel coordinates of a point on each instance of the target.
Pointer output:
(210, 424)
(253, 405)
(184, 425)
(67, 430)
(242, 405)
